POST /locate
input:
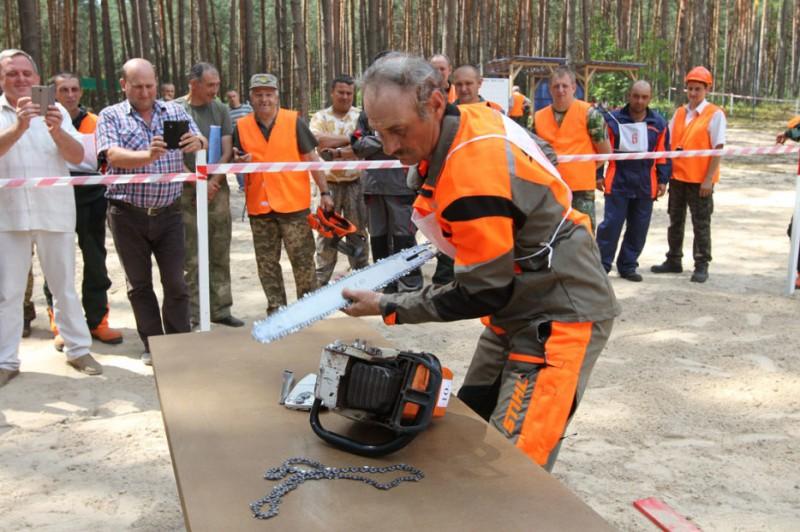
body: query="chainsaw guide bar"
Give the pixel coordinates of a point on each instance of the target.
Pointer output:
(324, 301)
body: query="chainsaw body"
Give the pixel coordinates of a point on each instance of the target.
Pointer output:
(393, 389)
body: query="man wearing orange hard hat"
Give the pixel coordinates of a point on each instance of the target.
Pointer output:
(698, 125)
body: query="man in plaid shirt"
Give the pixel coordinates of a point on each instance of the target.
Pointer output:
(145, 219)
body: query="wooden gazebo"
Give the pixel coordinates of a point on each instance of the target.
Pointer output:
(542, 67)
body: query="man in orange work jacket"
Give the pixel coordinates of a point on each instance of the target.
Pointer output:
(524, 260)
(573, 127)
(278, 202)
(698, 125)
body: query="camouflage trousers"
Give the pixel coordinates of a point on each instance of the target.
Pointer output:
(681, 195)
(348, 200)
(583, 200)
(293, 231)
(219, 252)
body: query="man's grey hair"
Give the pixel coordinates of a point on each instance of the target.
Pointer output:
(441, 56)
(200, 69)
(14, 52)
(562, 71)
(408, 72)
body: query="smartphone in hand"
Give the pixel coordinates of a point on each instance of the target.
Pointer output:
(173, 131)
(44, 95)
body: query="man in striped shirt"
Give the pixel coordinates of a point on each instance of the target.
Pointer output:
(145, 219)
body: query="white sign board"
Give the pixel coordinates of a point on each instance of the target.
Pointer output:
(496, 90)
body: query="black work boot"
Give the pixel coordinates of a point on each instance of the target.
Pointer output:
(700, 273)
(667, 266)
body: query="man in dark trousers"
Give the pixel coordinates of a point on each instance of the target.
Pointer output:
(630, 187)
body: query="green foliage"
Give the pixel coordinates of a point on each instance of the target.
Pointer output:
(611, 87)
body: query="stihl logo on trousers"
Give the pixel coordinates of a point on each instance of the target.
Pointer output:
(515, 405)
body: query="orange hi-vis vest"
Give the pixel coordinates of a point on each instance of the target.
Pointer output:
(282, 192)
(88, 124)
(693, 136)
(518, 104)
(495, 233)
(572, 137)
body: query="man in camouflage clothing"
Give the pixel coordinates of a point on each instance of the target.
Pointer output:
(278, 202)
(332, 127)
(584, 131)
(207, 111)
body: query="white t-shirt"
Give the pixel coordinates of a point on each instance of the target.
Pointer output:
(35, 154)
(716, 126)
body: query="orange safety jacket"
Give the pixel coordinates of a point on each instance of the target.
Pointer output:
(282, 192)
(571, 137)
(88, 124)
(693, 136)
(518, 105)
(521, 252)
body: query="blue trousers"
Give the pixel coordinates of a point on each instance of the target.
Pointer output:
(635, 214)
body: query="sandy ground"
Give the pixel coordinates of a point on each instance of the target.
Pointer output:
(696, 399)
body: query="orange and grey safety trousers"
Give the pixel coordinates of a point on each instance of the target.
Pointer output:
(530, 397)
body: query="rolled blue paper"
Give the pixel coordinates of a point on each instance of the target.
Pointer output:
(214, 144)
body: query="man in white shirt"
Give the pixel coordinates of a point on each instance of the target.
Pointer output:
(37, 146)
(698, 125)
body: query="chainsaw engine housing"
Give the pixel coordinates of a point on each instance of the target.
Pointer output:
(397, 390)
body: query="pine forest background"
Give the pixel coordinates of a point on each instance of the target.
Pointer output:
(752, 47)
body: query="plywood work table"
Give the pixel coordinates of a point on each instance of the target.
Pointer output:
(219, 397)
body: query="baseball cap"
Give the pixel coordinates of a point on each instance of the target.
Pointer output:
(263, 80)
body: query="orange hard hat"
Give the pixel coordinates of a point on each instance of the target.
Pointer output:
(701, 74)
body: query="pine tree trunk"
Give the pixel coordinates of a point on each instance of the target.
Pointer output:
(95, 45)
(108, 52)
(298, 30)
(328, 42)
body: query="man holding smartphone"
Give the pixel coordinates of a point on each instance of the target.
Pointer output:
(207, 111)
(145, 218)
(36, 142)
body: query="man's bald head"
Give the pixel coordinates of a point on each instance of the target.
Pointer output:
(137, 65)
(639, 96)
(139, 84)
(467, 80)
(641, 85)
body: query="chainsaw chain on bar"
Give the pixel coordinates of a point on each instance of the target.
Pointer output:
(318, 471)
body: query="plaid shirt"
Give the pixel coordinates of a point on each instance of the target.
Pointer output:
(122, 126)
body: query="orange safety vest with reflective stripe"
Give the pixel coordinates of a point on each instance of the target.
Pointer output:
(88, 124)
(693, 136)
(282, 192)
(572, 137)
(517, 105)
(486, 237)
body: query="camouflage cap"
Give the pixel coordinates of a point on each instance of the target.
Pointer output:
(263, 80)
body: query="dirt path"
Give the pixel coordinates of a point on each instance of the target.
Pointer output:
(696, 399)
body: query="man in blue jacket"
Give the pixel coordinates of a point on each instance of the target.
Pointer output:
(630, 187)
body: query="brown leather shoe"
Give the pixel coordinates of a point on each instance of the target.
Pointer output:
(86, 364)
(6, 375)
(106, 334)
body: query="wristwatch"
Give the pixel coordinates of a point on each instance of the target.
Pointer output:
(326, 193)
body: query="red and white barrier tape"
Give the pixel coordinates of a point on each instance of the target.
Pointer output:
(246, 168)
(728, 152)
(108, 179)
